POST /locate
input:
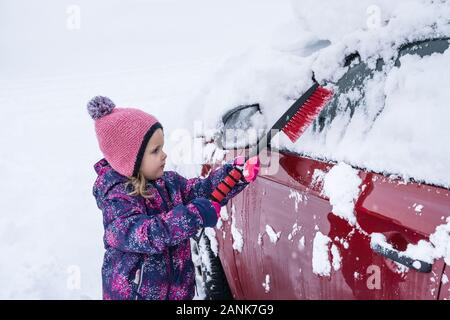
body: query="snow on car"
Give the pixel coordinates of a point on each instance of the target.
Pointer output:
(373, 165)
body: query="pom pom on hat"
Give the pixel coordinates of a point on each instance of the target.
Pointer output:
(100, 106)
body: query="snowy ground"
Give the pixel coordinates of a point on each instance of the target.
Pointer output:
(151, 54)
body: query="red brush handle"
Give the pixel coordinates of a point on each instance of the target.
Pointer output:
(226, 185)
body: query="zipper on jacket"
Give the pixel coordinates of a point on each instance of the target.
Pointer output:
(140, 280)
(171, 272)
(166, 205)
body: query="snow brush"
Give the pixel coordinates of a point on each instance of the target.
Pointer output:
(293, 123)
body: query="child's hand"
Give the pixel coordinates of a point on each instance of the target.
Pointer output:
(216, 206)
(209, 211)
(251, 167)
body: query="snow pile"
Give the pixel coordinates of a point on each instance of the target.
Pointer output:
(373, 28)
(295, 229)
(293, 194)
(260, 75)
(418, 208)
(301, 243)
(341, 186)
(266, 284)
(444, 279)
(260, 239)
(211, 234)
(321, 255)
(224, 213)
(238, 239)
(337, 19)
(342, 241)
(317, 178)
(441, 241)
(201, 258)
(273, 236)
(320, 258)
(337, 259)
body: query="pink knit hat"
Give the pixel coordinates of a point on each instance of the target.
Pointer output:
(122, 134)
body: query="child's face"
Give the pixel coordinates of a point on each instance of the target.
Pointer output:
(154, 159)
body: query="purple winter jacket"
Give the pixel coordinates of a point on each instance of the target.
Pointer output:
(148, 254)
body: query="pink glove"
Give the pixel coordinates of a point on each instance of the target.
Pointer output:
(251, 167)
(216, 206)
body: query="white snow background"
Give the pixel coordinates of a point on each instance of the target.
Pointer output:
(171, 58)
(154, 55)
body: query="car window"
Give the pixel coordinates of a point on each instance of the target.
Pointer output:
(241, 127)
(350, 88)
(374, 122)
(349, 91)
(423, 48)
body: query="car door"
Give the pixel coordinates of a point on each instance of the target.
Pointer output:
(285, 223)
(383, 206)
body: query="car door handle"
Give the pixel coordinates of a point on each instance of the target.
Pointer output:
(397, 256)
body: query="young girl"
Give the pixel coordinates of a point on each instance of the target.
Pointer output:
(149, 214)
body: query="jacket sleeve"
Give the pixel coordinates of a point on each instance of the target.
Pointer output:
(203, 187)
(128, 228)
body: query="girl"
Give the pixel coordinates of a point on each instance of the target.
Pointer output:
(149, 214)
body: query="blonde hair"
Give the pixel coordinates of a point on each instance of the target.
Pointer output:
(139, 185)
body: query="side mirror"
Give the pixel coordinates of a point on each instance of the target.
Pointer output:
(238, 130)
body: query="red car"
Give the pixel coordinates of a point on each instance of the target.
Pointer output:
(275, 260)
